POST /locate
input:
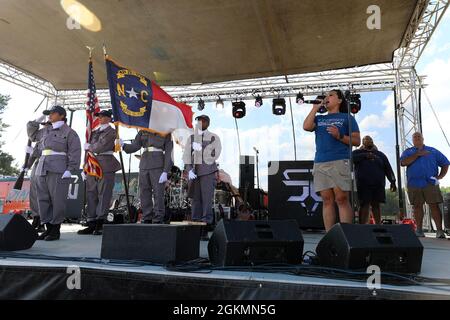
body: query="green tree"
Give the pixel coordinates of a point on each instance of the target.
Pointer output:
(6, 160)
(445, 190)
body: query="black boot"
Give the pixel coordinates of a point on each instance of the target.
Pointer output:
(36, 222)
(48, 227)
(41, 228)
(54, 233)
(89, 230)
(98, 228)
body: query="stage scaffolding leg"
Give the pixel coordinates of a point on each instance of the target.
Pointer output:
(408, 117)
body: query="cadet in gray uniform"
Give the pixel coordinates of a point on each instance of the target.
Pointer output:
(99, 191)
(35, 154)
(201, 151)
(61, 152)
(155, 163)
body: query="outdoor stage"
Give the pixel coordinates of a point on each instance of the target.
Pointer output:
(41, 273)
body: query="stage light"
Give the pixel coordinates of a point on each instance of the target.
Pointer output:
(354, 103)
(258, 101)
(279, 106)
(300, 98)
(219, 103)
(238, 109)
(201, 105)
(79, 13)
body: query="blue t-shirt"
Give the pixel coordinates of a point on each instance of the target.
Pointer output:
(419, 172)
(327, 147)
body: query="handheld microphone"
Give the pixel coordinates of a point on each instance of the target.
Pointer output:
(301, 100)
(312, 101)
(256, 150)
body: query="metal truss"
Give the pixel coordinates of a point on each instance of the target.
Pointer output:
(380, 77)
(426, 17)
(26, 80)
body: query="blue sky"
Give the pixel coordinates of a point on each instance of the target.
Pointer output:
(271, 134)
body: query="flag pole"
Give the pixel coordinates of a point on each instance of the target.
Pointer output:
(118, 149)
(85, 155)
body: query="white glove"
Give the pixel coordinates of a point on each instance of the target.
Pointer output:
(192, 175)
(196, 146)
(83, 176)
(119, 141)
(29, 150)
(163, 177)
(41, 118)
(434, 180)
(86, 146)
(66, 174)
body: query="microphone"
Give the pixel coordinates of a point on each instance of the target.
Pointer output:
(256, 150)
(312, 101)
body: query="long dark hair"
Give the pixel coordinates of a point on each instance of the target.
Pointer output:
(344, 105)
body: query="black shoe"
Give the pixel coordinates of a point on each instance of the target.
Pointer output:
(147, 222)
(98, 227)
(36, 222)
(40, 229)
(54, 233)
(90, 228)
(48, 227)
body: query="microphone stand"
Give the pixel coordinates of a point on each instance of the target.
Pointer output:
(352, 171)
(257, 182)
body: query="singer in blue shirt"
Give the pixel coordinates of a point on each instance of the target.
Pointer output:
(332, 177)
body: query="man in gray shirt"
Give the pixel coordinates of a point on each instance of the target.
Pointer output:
(61, 153)
(201, 151)
(100, 190)
(156, 161)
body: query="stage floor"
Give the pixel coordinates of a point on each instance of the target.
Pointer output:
(41, 273)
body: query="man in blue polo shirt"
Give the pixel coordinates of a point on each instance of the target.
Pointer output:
(423, 177)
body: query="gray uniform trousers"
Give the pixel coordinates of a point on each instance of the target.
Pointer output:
(203, 193)
(34, 204)
(52, 197)
(99, 195)
(151, 194)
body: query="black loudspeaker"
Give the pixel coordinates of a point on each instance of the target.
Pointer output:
(394, 248)
(243, 243)
(246, 173)
(156, 243)
(292, 194)
(16, 233)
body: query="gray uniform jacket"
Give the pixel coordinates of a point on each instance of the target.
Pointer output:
(35, 155)
(63, 139)
(101, 142)
(203, 162)
(154, 159)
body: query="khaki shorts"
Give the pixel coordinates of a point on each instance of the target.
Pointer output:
(332, 174)
(430, 195)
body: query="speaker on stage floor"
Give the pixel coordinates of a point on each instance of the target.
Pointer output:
(394, 248)
(243, 243)
(157, 243)
(16, 233)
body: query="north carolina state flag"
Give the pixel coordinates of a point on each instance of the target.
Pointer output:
(140, 103)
